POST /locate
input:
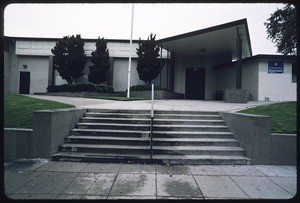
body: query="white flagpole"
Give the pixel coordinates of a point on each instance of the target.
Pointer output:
(130, 47)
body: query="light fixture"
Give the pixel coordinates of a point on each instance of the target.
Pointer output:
(24, 66)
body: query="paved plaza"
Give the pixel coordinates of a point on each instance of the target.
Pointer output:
(167, 104)
(44, 179)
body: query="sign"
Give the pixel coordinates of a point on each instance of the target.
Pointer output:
(275, 67)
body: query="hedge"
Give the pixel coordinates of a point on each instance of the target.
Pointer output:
(144, 88)
(102, 88)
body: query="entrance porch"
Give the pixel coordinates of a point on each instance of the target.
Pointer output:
(193, 56)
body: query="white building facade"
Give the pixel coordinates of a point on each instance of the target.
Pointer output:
(261, 79)
(196, 64)
(31, 59)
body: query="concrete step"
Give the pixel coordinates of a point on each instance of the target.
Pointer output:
(156, 116)
(188, 116)
(159, 134)
(192, 134)
(156, 141)
(159, 159)
(109, 132)
(158, 127)
(114, 135)
(207, 128)
(121, 111)
(175, 112)
(129, 149)
(147, 121)
(116, 115)
(131, 111)
(113, 126)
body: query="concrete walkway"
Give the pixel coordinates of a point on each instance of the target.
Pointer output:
(184, 105)
(44, 179)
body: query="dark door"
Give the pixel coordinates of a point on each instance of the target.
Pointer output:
(24, 82)
(195, 83)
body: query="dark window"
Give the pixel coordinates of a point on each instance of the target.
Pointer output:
(294, 73)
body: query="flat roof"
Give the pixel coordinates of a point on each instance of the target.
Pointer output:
(273, 57)
(56, 39)
(216, 40)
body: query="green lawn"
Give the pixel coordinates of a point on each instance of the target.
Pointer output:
(18, 109)
(283, 116)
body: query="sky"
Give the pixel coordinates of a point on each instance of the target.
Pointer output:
(113, 21)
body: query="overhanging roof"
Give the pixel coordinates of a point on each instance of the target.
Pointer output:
(213, 41)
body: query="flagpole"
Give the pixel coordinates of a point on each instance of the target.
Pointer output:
(130, 47)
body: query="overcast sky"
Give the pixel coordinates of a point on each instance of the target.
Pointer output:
(112, 21)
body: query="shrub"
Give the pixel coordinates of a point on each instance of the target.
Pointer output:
(100, 62)
(149, 65)
(144, 88)
(102, 88)
(69, 58)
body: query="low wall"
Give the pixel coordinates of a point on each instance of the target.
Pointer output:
(17, 143)
(254, 135)
(284, 149)
(158, 94)
(50, 127)
(82, 94)
(236, 96)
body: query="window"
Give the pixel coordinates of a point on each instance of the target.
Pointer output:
(294, 73)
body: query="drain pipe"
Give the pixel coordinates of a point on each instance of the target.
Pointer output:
(151, 122)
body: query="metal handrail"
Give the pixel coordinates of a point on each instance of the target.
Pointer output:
(151, 121)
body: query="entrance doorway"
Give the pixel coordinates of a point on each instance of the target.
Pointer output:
(24, 87)
(195, 83)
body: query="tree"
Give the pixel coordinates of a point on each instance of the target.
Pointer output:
(100, 60)
(69, 58)
(148, 65)
(282, 30)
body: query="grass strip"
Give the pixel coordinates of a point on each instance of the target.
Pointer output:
(18, 109)
(283, 116)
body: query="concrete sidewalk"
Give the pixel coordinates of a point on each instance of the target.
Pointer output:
(169, 104)
(44, 179)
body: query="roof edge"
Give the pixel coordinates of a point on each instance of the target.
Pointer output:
(262, 57)
(56, 39)
(206, 30)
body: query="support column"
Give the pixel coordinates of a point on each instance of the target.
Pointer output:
(172, 71)
(168, 71)
(239, 60)
(160, 63)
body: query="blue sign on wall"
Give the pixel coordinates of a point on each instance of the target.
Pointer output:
(275, 67)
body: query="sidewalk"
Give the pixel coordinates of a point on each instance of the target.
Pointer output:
(44, 179)
(168, 104)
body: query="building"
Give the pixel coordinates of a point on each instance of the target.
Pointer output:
(198, 64)
(28, 64)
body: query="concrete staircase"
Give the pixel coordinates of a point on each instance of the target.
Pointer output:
(179, 137)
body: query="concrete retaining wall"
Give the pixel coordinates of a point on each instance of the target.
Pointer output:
(17, 143)
(50, 127)
(284, 149)
(254, 135)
